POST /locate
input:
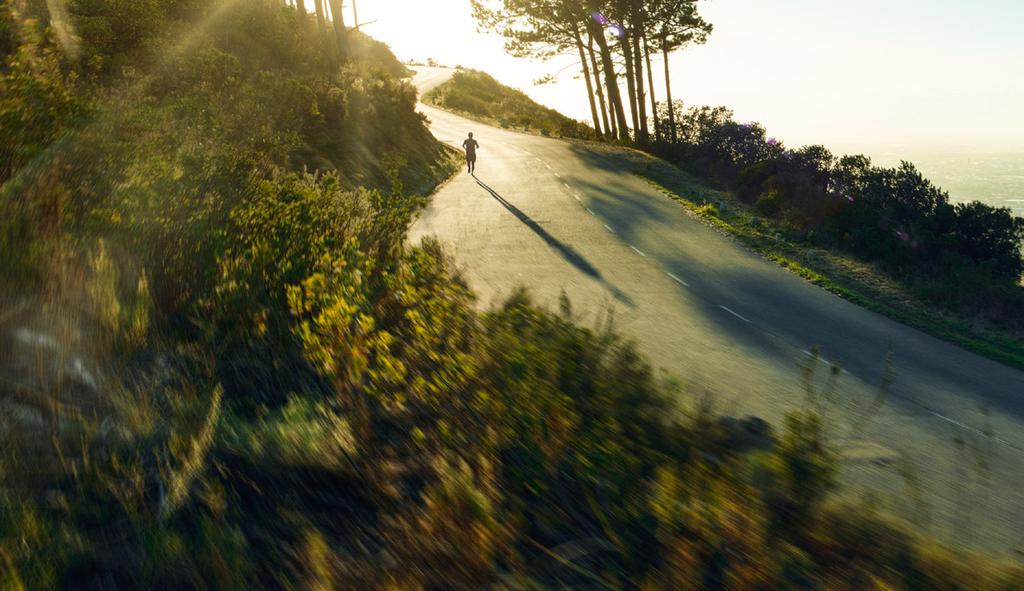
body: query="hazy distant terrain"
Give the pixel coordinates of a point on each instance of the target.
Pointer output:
(996, 178)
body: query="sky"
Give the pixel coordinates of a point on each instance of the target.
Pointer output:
(946, 75)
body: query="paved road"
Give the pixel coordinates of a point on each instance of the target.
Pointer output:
(555, 216)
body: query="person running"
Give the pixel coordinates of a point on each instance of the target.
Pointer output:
(471, 145)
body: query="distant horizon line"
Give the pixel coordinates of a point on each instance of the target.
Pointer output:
(845, 146)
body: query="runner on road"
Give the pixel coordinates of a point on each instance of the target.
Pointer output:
(471, 145)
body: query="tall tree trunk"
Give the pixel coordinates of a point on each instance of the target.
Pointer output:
(650, 89)
(611, 84)
(668, 96)
(638, 69)
(590, 87)
(612, 119)
(597, 84)
(338, 19)
(320, 17)
(627, 53)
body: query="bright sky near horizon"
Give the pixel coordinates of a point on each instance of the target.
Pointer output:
(938, 74)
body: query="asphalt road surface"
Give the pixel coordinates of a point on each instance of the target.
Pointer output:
(557, 217)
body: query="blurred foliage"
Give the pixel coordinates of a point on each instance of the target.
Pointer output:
(480, 96)
(228, 368)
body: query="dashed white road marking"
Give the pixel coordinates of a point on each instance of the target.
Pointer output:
(591, 211)
(558, 176)
(677, 280)
(567, 185)
(826, 361)
(966, 427)
(949, 420)
(811, 354)
(638, 251)
(577, 197)
(609, 228)
(734, 313)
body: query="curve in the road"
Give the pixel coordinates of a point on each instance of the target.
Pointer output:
(559, 216)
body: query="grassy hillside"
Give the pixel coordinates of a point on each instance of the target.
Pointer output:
(478, 96)
(222, 365)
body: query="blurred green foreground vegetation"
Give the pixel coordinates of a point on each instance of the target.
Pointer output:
(222, 365)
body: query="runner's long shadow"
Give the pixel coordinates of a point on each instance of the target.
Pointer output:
(567, 252)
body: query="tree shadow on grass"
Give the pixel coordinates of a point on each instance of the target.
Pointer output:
(564, 250)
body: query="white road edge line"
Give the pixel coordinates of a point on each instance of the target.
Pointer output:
(609, 228)
(638, 251)
(678, 280)
(734, 313)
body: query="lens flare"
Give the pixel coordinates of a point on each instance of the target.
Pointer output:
(61, 24)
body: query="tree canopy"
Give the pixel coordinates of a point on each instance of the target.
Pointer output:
(625, 33)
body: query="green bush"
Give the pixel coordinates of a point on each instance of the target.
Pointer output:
(954, 255)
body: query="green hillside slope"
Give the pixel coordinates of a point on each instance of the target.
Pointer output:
(481, 97)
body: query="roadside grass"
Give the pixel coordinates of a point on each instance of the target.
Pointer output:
(842, 275)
